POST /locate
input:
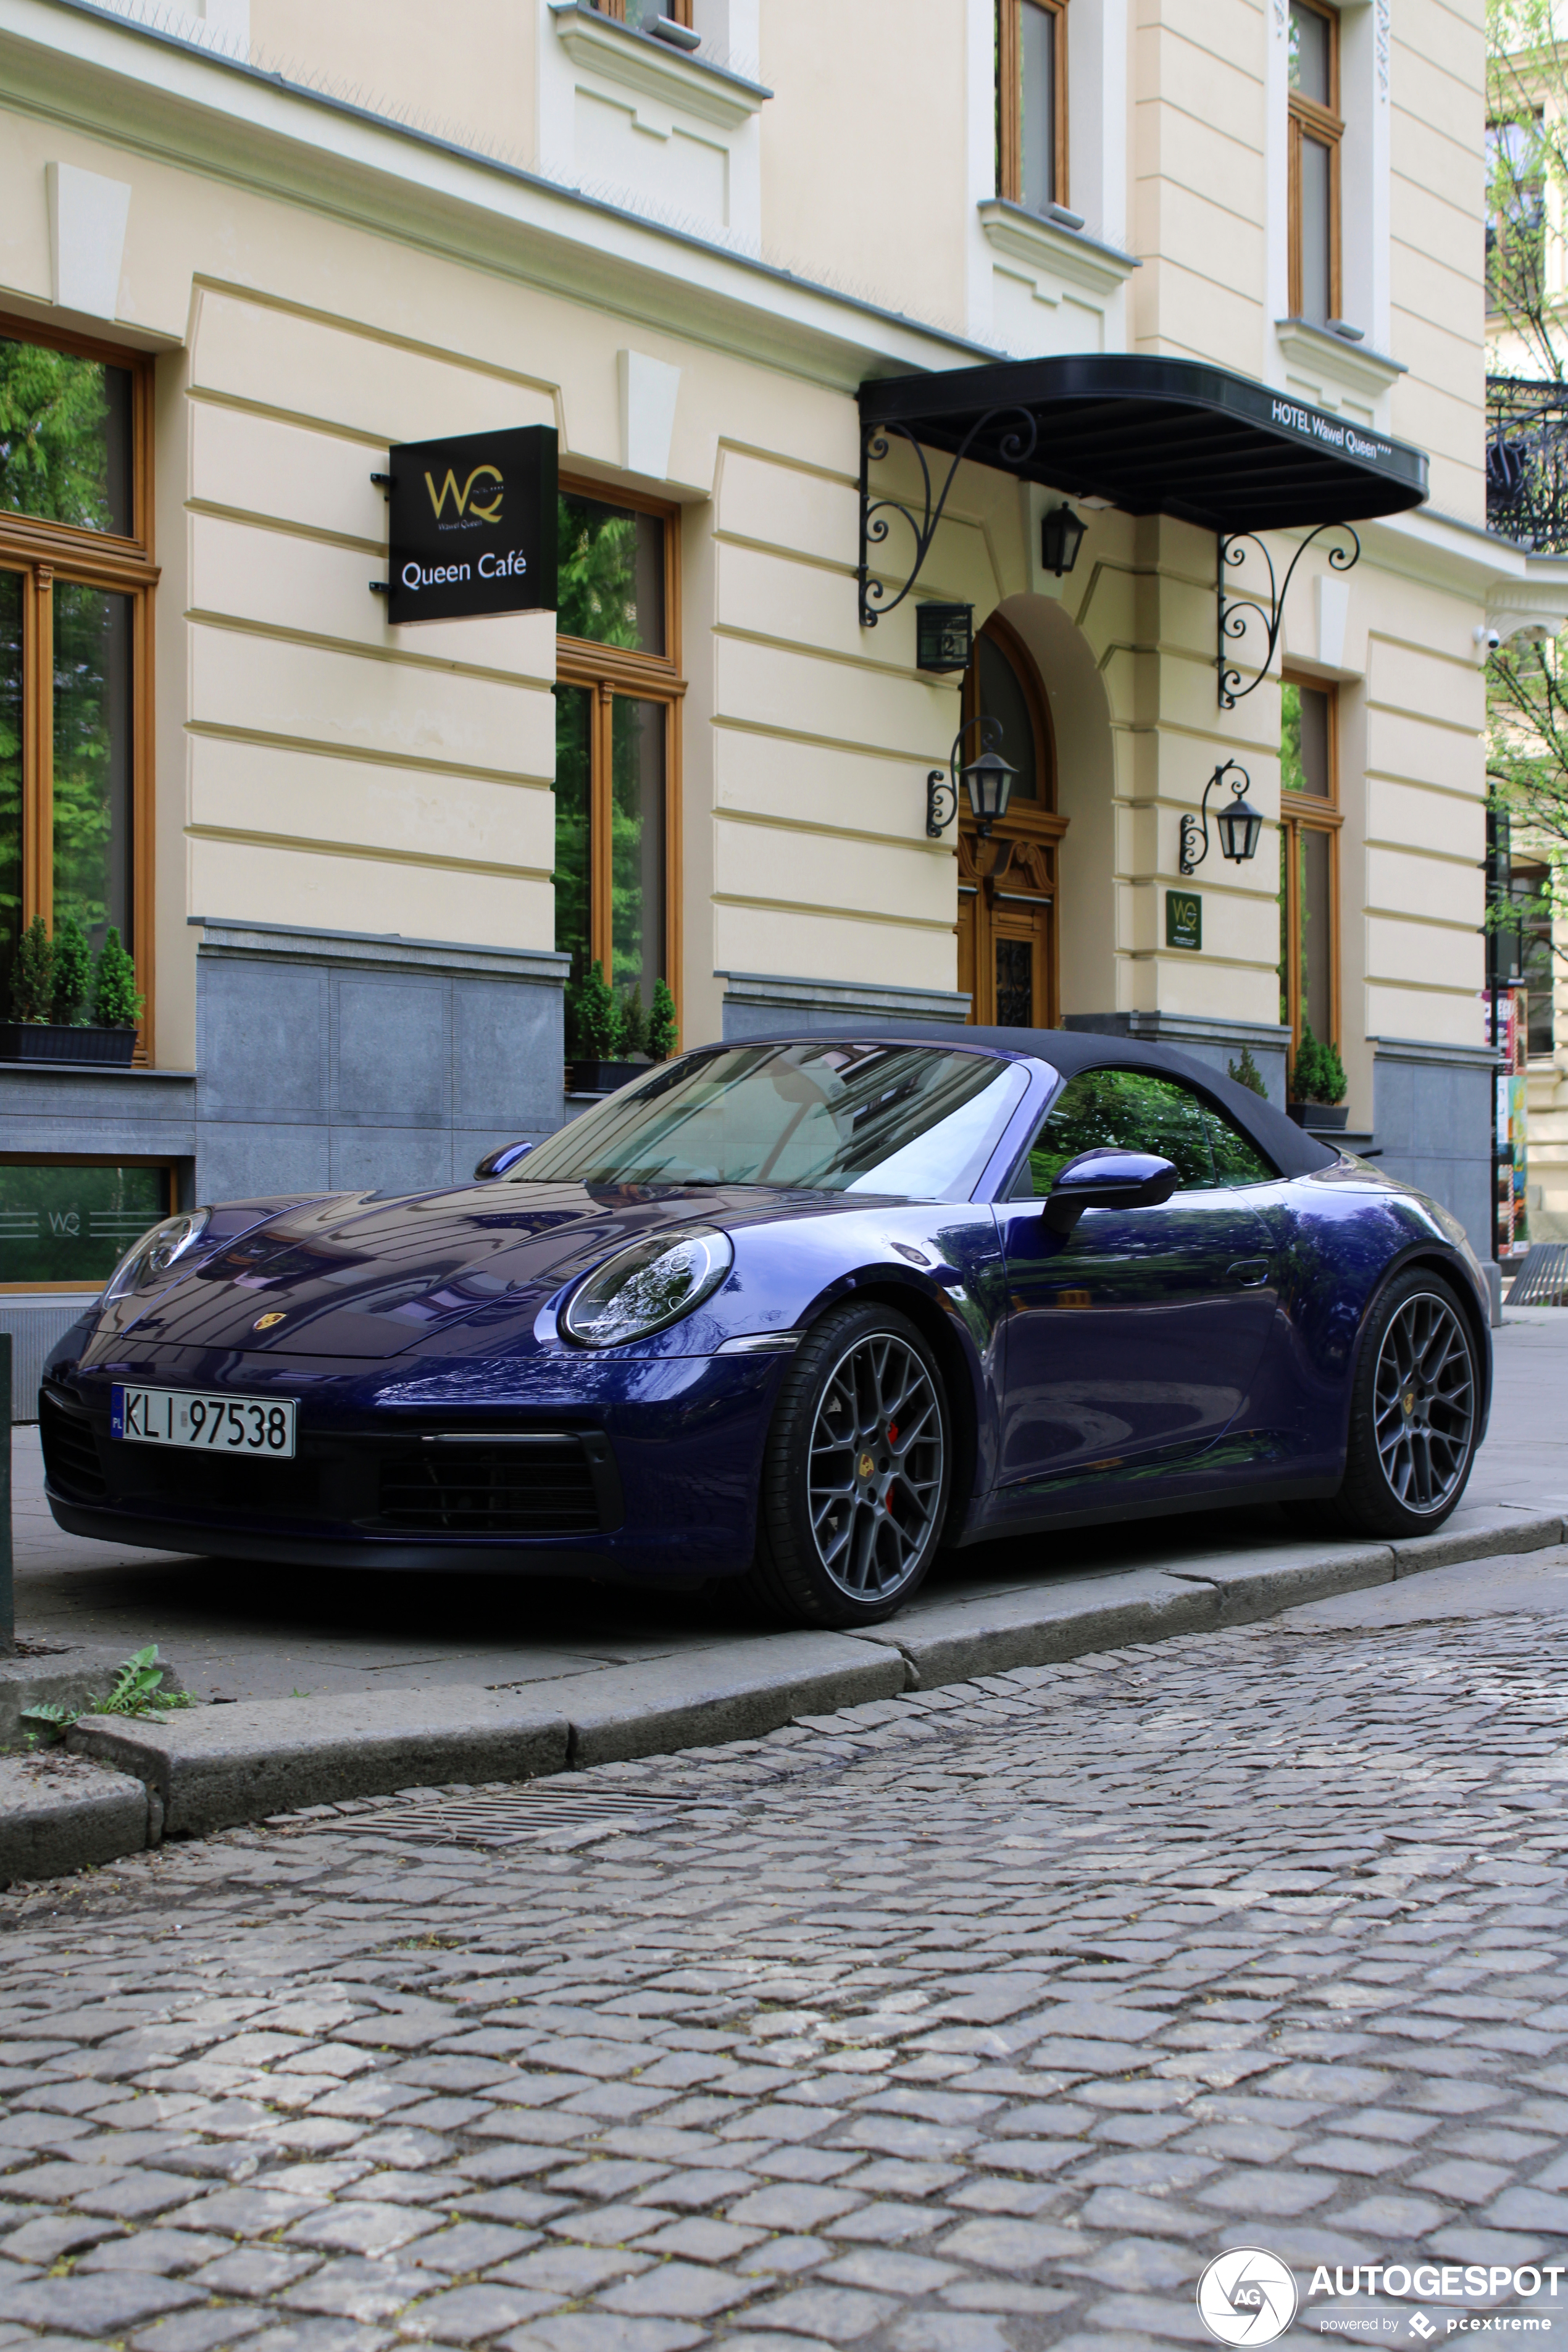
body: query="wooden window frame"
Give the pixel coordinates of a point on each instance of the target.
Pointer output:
(611, 670)
(173, 1168)
(1326, 125)
(1314, 812)
(42, 552)
(1009, 98)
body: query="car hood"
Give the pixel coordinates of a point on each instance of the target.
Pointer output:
(355, 1276)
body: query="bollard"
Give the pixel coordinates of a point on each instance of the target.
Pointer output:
(7, 1591)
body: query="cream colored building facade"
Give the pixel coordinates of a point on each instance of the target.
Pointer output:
(324, 233)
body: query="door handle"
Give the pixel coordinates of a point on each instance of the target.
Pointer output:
(1248, 1273)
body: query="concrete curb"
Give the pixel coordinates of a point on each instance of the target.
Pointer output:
(68, 1677)
(216, 1766)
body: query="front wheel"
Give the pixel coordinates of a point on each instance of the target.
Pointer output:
(1414, 1410)
(855, 1476)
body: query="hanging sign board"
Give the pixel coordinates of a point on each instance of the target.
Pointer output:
(1183, 920)
(472, 525)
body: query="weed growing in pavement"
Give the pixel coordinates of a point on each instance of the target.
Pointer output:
(137, 1691)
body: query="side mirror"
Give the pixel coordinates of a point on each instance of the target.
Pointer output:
(1107, 1180)
(496, 1162)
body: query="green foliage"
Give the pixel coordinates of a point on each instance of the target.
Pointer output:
(1246, 1074)
(33, 974)
(663, 1027)
(116, 1001)
(594, 1026)
(1318, 1074)
(73, 973)
(138, 1690)
(54, 438)
(1527, 170)
(632, 1038)
(1305, 1068)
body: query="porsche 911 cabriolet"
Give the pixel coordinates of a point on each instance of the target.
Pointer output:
(804, 1310)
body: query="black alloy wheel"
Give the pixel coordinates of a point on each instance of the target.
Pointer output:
(856, 1474)
(1414, 1410)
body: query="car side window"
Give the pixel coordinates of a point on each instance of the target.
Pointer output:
(1128, 1110)
(1237, 1159)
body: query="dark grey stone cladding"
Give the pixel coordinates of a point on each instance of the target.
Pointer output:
(1434, 1110)
(331, 1060)
(760, 1003)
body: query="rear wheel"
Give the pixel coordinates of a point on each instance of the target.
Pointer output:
(855, 1476)
(1415, 1411)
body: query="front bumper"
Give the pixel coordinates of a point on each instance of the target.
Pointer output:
(652, 1477)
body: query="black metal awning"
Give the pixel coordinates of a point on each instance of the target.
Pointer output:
(1156, 436)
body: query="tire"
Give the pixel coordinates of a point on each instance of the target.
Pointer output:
(856, 1474)
(1415, 1409)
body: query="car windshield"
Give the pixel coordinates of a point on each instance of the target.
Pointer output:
(908, 1119)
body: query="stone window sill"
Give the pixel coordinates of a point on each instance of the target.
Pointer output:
(1344, 371)
(686, 83)
(1055, 251)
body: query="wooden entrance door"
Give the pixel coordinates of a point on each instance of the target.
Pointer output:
(1007, 885)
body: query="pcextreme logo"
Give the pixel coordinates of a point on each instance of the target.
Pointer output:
(491, 513)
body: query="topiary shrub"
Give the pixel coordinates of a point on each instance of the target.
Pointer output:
(33, 974)
(663, 1028)
(1332, 1084)
(73, 973)
(1306, 1069)
(116, 1001)
(634, 1025)
(598, 1018)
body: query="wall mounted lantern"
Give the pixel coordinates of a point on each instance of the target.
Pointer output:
(988, 780)
(1061, 536)
(944, 636)
(1238, 824)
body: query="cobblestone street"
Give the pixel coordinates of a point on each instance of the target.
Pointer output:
(972, 2022)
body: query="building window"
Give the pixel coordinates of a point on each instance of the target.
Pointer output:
(1527, 947)
(65, 1225)
(1309, 821)
(617, 717)
(1316, 132)
(1031, 102)
(76, 584)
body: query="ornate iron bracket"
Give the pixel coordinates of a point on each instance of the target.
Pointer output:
(1016, 449)
(1236, 619)
(941, 792)
(1196, 828)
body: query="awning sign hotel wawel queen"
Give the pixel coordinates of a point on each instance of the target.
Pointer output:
(473, 525)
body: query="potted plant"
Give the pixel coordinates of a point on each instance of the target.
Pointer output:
(606, 1040)
(1318, 1084)
(65, 1006)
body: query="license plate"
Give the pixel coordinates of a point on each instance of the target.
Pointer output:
(218, 1424)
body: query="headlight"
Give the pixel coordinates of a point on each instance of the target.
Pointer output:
(642, 1288)
(157, 1252)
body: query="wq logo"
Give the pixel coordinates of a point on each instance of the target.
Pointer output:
(1246, 2296)
(491, 513)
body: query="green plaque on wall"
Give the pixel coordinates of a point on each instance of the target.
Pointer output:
(1183, 920)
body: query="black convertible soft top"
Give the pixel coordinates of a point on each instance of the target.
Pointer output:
(1291, 1149)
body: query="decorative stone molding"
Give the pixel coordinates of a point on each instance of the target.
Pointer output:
(1048, 250)
(1527, 608)
(1337, 375)
(676, 81)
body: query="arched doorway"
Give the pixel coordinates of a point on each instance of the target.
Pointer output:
(1008, 885)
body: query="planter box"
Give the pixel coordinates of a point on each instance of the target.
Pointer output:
(1326, 1116)
(602, 1077)
(52, 1040)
